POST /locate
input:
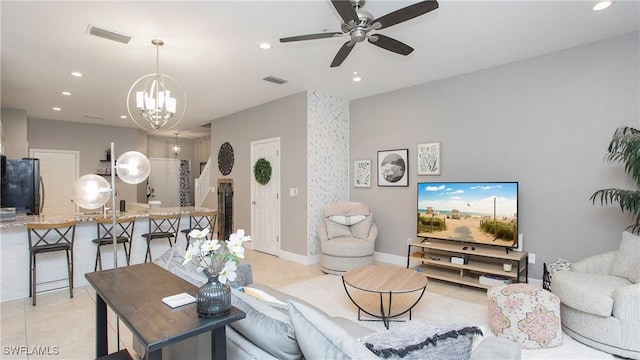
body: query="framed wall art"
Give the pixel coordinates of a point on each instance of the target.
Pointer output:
(429, 159)
(393, 167)
(362, 173)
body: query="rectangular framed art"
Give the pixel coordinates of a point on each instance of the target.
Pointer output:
(429, 159)
(362, 173)
(393, 167)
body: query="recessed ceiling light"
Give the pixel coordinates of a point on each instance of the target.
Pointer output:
(264, 46)
(56, 108)
(602, 5)
(77, 74)
(123, 116)
(66, 93)
(356, 77)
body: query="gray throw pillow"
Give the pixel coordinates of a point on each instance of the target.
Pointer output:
(320, 338)
(266, 326)
(453, 342)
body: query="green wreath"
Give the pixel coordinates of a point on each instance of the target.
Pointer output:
(262, 171)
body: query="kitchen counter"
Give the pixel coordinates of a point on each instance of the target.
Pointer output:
(14, 249)
(22, 220)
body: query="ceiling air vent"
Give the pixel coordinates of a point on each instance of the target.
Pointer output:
(108, 34)
(274, 80)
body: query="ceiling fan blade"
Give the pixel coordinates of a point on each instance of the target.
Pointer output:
(346, 10)
(323, 35)
(407, 13)
(390, 44)
(342, 53)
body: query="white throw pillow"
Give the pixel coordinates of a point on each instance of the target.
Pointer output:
(335, 230)
(361, 229)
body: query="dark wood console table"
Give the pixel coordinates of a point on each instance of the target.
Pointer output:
(135, 294)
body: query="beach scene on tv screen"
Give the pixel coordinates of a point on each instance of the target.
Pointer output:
(484, 213)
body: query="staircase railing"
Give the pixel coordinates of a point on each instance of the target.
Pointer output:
(202, 185)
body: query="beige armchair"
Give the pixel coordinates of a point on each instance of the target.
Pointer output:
(347, 237)
(600, 299)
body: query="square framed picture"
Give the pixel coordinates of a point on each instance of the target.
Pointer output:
(362, 173)
(393, 167)
(429, 159)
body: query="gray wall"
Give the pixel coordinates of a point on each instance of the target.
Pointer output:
(14, 133)
(285, 118)
(545, 122)
(90, 141)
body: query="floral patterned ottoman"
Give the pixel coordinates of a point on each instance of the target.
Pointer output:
(525, 314)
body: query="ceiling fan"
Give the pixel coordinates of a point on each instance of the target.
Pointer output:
(357, 23)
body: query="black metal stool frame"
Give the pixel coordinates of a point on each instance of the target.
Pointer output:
(200, 220)
(45, 238)
(161, 226)
(124, 234)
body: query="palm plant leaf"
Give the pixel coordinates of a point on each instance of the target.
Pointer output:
(624, 148)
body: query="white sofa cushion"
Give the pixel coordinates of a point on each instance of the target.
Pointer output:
(626, 264)
(590, 293)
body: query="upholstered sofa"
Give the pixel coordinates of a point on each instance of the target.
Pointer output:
(279, 326)
(347, 236)
(600, 299)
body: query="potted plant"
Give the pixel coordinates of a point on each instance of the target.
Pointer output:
(624, 148)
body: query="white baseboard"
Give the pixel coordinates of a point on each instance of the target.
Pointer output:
(300, 259)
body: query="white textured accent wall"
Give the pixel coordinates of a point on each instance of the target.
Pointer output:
(327, 158)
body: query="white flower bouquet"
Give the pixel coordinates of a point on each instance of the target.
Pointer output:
(216, 257)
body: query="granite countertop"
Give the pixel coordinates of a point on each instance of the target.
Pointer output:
(23, 220)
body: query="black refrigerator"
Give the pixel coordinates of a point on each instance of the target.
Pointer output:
(22, 187)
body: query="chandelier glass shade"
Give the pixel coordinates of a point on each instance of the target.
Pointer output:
(175, 149)
(156, 101)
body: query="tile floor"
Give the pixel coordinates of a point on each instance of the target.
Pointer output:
(63, 328)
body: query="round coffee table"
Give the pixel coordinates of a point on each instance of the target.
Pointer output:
(384, 280)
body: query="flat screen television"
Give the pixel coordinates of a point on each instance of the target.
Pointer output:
(471, 212)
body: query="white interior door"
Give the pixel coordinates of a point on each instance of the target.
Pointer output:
(59, 169)
(164, 181)
(265, 199)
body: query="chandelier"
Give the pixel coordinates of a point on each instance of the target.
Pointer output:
(156, 101)
(176, 148)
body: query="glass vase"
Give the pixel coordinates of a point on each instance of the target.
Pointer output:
(213, 298)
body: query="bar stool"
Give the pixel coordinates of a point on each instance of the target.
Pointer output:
(161, 226)
(44, 238)
(200, 220)
(124, 233)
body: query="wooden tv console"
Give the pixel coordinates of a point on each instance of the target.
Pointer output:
(434, 256)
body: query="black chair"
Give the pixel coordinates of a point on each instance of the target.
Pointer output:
(44, 238)
(200, 220)
(124, 234)
(161, 226)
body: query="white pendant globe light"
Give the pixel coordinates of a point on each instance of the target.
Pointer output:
(133, 167)
(91, 191)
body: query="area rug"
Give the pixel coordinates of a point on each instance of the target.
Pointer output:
(327, 293)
